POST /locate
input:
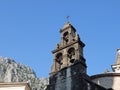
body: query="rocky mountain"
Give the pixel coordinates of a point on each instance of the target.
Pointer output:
(11, 71)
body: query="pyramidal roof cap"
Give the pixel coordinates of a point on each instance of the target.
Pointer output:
(67, 25)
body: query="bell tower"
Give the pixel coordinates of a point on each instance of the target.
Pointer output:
(69, 50)
(68, 71)
(68, 62)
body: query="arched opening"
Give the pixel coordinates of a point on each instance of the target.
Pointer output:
(65, 37)
(71, 55)
(59, 58)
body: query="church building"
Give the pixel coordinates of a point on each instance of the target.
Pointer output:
(110, 79)
(69, 69)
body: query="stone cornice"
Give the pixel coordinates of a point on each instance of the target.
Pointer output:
(60, 48)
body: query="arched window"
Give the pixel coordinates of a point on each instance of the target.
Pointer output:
(65, 37)
(71, 55)
(59, 58)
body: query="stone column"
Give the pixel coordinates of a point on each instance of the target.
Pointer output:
(53, 68)
(77, 54)
(65, 61)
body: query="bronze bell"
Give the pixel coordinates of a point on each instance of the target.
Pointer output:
(72, 59)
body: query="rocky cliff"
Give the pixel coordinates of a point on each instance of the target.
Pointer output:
(11, 71)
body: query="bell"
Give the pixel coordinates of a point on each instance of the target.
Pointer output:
(72, 59)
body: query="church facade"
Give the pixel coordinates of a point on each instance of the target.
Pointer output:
(69, 67)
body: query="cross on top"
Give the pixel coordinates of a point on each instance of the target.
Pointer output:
(67, 18)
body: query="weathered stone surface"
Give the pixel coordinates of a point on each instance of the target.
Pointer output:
(69, 67)
(72, 78)
(10, 71)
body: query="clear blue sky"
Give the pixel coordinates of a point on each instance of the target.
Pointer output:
(29, 31)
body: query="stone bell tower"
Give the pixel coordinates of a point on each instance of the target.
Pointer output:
(68, 63)
(69, 51)
(68, 71)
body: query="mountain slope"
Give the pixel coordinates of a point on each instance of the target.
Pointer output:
(11, 71)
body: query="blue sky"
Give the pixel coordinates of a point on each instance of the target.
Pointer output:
(29, 31)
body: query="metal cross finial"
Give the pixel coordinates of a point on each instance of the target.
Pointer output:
(68, 18)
